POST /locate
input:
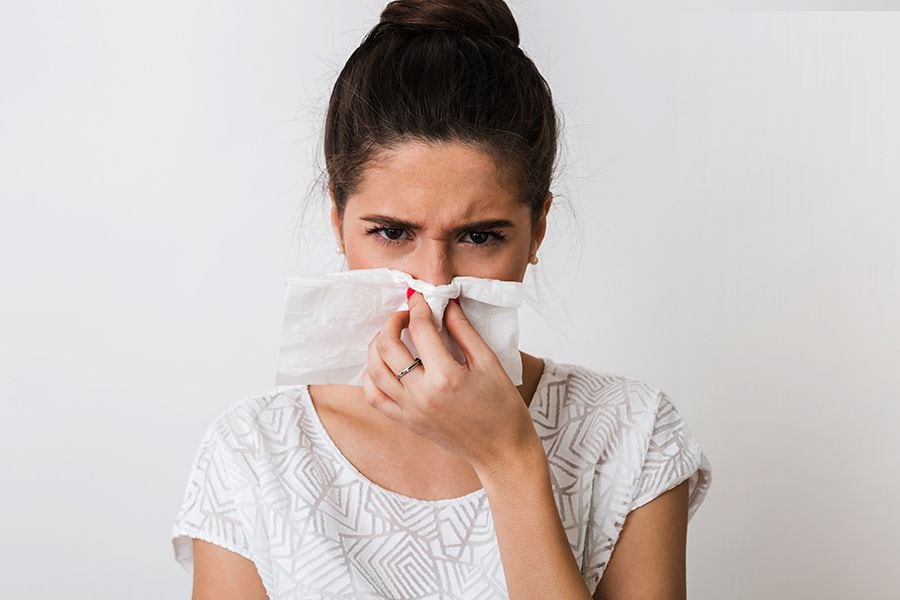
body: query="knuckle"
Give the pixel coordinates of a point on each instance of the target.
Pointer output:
(430, 404)
(416, 427)
(442, 382)
(416, 325)
(377, 376)
(380, 344)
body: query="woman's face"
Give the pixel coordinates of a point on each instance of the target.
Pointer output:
(435, 212)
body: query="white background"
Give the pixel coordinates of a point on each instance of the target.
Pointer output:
(725, 229)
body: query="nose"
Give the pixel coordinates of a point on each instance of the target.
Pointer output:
(441, 278)
(432, 264)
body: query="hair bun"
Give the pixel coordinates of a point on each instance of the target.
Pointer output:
(473, 17)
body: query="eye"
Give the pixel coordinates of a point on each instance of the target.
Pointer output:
(488, 238)
(480, 239)
(388, 241)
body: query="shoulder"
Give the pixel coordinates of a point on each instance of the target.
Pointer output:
(597, 419)
(640, 447)
(255, 423)
(630, 425)
(221, 499)
(608, 394)
(638, 432)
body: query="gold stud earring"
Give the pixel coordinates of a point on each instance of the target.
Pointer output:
(534, 260)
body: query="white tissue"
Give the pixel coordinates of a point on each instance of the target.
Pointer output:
(330, 318)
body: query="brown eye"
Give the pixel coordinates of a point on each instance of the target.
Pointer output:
(481, 240)
(485, 239)
(388, 239)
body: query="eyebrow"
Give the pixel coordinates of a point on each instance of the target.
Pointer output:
(395, 223)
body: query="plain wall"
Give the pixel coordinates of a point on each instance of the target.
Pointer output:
(725, 229)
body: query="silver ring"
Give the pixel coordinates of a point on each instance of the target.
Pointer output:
(412, 366)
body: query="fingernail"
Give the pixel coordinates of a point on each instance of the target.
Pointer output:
(409, 292)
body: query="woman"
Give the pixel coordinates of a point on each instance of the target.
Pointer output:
(436, 479)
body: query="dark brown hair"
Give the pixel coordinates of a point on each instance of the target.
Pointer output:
(443, 70)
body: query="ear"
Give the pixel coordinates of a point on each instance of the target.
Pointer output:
(336, 223)
(541, 228)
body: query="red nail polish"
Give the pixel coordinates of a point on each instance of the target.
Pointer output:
(409, 292)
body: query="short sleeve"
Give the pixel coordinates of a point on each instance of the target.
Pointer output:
(672, 456)
(208, 511)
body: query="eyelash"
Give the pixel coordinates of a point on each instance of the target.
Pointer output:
(497, 236)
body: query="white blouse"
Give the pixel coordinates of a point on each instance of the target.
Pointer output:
(268, 483)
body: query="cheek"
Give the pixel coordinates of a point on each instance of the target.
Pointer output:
(506, 265)
(360, 260)
(364, 253)
(503, 272)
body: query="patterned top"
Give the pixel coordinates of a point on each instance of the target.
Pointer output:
(268, 483)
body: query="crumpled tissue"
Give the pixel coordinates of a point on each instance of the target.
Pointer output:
(330, 318)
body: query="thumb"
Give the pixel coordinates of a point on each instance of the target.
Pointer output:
(465, 335)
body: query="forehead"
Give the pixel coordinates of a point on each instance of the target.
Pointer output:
(435, 182)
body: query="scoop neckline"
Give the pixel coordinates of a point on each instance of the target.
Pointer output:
(549, 368)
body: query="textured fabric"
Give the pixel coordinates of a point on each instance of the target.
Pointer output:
(268, 483)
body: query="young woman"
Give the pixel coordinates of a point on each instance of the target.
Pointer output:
(436, 479)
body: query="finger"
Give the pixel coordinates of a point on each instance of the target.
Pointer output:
(394, 352)
(466, 336)
(380, 373)
(425, 334)
(379, 401)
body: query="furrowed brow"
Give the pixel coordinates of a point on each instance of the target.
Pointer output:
(396, 223)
